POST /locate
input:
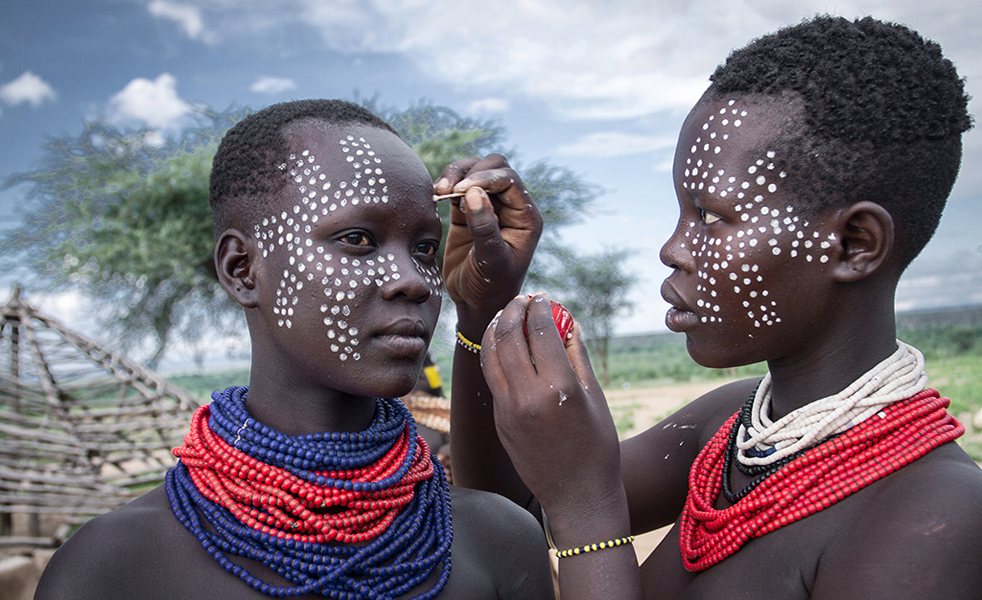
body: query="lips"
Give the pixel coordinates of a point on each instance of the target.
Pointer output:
(406, 338)
(679, 317)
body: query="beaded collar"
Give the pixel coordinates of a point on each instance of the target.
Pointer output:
(762, 442)
(807, 483)
(345, 515)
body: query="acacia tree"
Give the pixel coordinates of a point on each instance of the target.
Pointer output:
(123, 216)
(594, 288)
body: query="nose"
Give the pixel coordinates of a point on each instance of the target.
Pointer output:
(410, 279)
(677, 251)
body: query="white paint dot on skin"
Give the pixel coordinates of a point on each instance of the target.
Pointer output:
(823, 259)
(772, 188)
(776, 250)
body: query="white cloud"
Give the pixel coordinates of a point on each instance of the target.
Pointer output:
(186, 16)
(488, 105)
(606, 144)
(27, 88)
(154, 103)
(593, 59)
(272, 85)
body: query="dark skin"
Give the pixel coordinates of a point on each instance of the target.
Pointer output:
(916, 533)
(298, 385)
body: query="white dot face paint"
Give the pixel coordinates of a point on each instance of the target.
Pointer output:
(764, 236)
(354, 257)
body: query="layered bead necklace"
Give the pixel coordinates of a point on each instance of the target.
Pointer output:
(805, 480)
(761, 441)
(344, 515)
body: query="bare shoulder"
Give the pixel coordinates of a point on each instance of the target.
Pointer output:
(495, 536)
(915, 534)
(655, 463)
(113, 550)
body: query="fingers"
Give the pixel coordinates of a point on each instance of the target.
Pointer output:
(458, 171)
(504, 341)
(452, 174)
(579, 358)
(491, 173)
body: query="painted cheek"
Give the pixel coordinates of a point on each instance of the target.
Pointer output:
(767, 233)
(431, 277)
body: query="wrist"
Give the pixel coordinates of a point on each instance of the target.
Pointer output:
(472, 323)
(607, 518)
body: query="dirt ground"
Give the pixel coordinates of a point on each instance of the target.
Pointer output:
(647, 406)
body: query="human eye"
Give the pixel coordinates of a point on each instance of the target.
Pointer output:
(429, 248)
(356, 238)
(707, 217)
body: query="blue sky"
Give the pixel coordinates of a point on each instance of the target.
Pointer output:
(599, 87)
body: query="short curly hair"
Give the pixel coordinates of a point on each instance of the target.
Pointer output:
(245, 171)
(884, 111)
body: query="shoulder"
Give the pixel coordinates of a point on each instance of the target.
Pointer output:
(917, 533)
(700, 419)
(496, 537)
(655, 463)
(493, 515)
(113, 549)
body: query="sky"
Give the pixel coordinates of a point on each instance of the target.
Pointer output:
(599, 87)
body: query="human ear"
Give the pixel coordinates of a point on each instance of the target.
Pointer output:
(866, 236)
(234, 261)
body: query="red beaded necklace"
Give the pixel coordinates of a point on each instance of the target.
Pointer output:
(273, 500)
(823, 475)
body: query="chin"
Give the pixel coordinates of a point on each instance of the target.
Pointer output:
(714, 358)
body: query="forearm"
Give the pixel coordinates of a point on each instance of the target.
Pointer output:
(604, 573)
(479, 460)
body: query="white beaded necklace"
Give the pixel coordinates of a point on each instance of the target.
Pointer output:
(765, 442)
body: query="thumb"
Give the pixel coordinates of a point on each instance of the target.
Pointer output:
(482, 222)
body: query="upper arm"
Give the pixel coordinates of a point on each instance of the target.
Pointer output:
(655, 463)
(921, 537)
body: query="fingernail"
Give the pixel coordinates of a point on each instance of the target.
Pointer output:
(474, 201)
(442, 182)
(463, 185)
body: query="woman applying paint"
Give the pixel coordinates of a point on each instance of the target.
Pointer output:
(809, 175)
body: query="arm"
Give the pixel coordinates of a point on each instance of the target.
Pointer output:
(553, 420)
(493, 233)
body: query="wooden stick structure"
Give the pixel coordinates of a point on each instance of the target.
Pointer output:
(83, 430)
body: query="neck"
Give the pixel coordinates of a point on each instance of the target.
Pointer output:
(296, 409)
(829, 364)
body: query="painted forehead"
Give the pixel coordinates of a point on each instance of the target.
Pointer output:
(734, 262)
(340, 279)
(710, 166)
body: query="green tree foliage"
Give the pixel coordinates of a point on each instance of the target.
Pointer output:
(123, 216)
(594, 288)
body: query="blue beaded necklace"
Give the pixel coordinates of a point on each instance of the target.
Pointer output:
(401, 558)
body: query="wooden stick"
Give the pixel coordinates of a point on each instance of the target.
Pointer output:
(448, 196)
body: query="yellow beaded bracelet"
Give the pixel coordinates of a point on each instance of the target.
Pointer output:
(594, 547)
(466, 343)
